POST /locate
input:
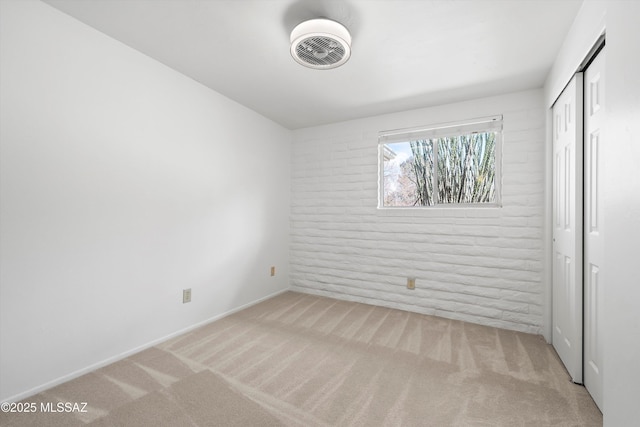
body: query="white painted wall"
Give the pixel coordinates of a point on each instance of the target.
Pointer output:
(122, 182)
(620, 189)
(484, 265)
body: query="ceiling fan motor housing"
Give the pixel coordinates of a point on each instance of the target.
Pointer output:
(320, 44)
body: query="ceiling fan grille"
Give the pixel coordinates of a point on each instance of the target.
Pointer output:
(320, 51)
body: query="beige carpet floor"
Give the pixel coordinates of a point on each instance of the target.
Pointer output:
(304, 360)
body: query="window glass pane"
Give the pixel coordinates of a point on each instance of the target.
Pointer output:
(466, 168)
(408, 174)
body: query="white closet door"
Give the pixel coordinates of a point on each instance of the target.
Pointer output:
(593, 233)
(567, 227)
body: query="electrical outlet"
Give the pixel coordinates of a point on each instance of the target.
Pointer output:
(273, 270)
(411, 283)
(186, 295)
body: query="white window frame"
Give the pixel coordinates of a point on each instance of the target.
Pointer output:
(481, 124)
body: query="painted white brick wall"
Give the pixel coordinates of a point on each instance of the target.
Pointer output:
(483, 265)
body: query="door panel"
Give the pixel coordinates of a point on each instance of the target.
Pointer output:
(567, 230)
(593, 233)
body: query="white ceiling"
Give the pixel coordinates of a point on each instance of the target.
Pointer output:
(406, 53)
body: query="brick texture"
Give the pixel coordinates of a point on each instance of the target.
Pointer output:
(483, 265)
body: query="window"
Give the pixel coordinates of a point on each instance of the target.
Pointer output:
(447, 165)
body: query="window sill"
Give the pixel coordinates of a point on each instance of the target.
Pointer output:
(484, 210)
